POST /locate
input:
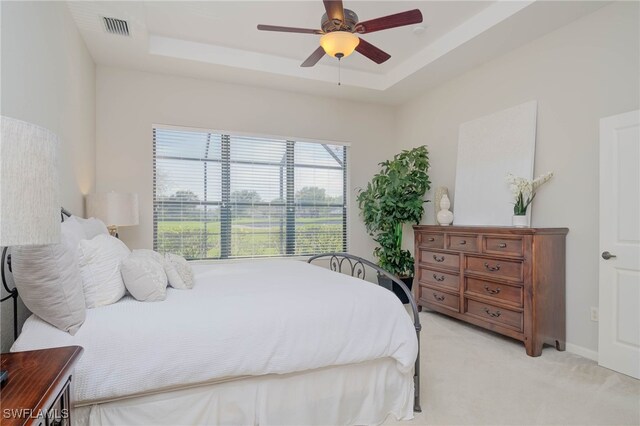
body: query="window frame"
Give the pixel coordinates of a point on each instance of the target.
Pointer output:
(225, 203)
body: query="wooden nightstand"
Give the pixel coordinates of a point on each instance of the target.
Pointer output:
(37, 390)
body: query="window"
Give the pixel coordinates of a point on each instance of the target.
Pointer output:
(219, 196)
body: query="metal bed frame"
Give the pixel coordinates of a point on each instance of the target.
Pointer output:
(338, 262)
(355, 266)
(12, 293)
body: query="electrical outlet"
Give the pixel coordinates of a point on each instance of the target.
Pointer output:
(594, 314)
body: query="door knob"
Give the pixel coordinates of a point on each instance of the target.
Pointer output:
(606, 255)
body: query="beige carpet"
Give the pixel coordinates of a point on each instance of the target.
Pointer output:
(472, 376)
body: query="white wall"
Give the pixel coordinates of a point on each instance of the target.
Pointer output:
(579, 74)
(130, 102)
(48, 78)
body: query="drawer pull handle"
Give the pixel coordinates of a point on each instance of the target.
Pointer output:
(438, 278)
(438, 259)
(495, 314)
(491, 291)
(463, 242)
(492, 268)
(431, 239)
(437, 297)
(502, 245)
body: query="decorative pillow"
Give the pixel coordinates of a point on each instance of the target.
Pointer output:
(74, 233)
(149, 254)
(178, 271)
(157, 257)
(92, 227)
(144, 277)
(48, 279)
(99, 260)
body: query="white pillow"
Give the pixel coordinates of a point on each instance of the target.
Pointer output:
(48, 279)
(157, 257)
(144, 278)
(99, 260)
(178, 271)
(92, 227)
(149, 254)
(74, 233)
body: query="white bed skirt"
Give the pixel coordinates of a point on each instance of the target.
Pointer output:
(356, 394)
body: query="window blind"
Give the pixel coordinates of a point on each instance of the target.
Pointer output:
(219, 196)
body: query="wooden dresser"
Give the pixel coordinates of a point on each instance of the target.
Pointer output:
(509, 280)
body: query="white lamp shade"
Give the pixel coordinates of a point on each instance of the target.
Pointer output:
(114, 208)
(29, 189)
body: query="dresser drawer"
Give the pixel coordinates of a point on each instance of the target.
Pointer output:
(500, 292)
(499, 268)
(428, 240)
(511, 246)
(439, 279)
(436, 297)
(494, 314)
(446, 260)
(463, 243)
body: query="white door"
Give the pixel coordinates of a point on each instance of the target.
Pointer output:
(619, 334)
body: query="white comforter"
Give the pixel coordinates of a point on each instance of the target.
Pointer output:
(242, 319)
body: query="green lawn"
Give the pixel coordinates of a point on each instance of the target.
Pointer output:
(250, 237)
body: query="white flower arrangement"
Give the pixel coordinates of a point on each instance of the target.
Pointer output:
(525, 189)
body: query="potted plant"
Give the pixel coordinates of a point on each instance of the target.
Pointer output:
(395, 196)
(524, 191)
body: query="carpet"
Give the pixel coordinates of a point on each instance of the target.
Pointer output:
(471, 376)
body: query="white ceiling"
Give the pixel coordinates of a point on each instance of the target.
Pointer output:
(219, 40)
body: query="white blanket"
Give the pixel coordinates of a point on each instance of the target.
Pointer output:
(241, 319)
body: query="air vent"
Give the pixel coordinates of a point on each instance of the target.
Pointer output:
(116, 26)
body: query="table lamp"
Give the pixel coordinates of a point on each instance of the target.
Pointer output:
(29, 190)
(114, 209)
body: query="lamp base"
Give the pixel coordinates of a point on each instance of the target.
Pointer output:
(113, 230)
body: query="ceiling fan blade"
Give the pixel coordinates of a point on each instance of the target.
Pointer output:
(392, 21)
(288, 29)
(314, 58)
(370, 51)
(335, 10)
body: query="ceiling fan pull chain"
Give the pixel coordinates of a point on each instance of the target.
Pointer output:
(339, 72)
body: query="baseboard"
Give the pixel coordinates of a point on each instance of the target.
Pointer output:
(582, 351)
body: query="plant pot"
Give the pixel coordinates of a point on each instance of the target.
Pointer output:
(520, 221)
(390, 285)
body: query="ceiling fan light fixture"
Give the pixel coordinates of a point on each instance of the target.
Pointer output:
(339, 44)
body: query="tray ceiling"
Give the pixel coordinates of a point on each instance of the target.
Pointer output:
(219, 40)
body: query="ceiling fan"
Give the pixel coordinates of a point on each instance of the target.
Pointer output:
(339, 28)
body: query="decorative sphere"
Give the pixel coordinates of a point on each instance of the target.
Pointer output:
(445, 217)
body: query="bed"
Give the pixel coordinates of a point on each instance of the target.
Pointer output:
(260, 342)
